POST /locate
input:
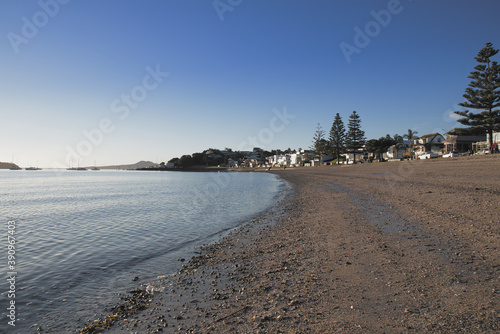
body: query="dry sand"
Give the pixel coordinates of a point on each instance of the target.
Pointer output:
(404, 247)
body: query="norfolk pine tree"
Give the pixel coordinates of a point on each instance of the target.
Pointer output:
(355, 138)
(337, 137)
(483, 94)
(320, 144)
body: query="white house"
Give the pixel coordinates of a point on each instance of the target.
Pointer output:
(350, 157)
(279, 160)
(295, 159)
(496, 137)
(398, 151)
(433, 142)
(484, 145)
(289, 159)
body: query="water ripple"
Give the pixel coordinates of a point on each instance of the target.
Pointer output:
(81, 236)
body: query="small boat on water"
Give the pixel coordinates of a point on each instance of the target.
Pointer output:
(77, 168)
(95, 167)
(33, 168)
(16, 168)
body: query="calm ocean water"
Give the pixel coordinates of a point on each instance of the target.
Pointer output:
(82, 236)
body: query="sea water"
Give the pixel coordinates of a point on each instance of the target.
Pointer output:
(81, 238)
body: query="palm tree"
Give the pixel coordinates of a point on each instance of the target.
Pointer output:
(410, 135)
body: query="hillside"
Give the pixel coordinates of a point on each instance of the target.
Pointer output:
(140, 164)
(7, 165)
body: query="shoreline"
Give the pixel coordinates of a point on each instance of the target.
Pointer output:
(141, 300)
(375, 248)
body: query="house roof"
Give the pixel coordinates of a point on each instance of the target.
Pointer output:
(464, 139)
(431, 135)
(466, 132)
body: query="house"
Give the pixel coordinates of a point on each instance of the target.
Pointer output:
(349, 157)
(288, 159)
(283, 160)
(484, 145)
(295, 159)
(496, 137)
(459, 141)
(433, 142)
(279, 160)
(398, 151)
(496, 140)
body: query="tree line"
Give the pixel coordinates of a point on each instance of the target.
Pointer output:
(483, 94)
(215, 157)
(340, 140)
(353, 140)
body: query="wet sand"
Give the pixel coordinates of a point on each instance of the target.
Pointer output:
(395, 247)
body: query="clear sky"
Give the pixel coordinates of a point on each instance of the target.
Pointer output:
(118, 81)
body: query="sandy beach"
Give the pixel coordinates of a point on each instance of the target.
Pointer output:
(395, 247)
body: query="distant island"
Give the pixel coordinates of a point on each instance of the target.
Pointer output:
(8, 165)
(137, 165)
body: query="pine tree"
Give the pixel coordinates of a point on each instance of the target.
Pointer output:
(355, 138)
(337, 136)
(483, 94)
(320, 145)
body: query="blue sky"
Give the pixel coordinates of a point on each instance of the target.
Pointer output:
(118, 81)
